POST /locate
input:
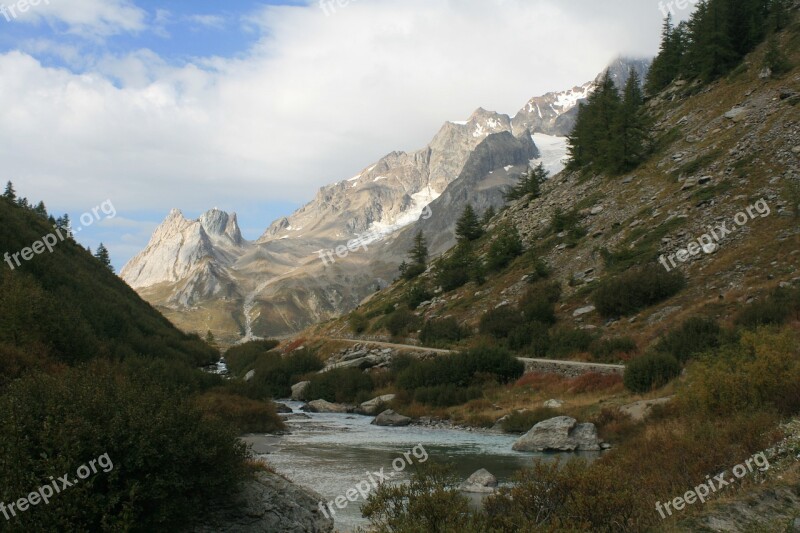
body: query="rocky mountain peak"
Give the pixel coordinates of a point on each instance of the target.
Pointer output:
(218, 223)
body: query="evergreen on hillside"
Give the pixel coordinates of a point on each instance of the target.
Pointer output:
(104, 257)
(611, 132)
(715, 39)
(9, 193)
(418, 254)
(468, 228)
(529, 183)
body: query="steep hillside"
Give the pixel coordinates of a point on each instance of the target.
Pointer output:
(720, 149)
(66, 306)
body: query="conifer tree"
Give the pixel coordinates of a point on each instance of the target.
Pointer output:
(630, 129)
(488, 215)
(103, 256)
(10, 194)
(590, 141)
(419, 251)
(529, 183)
(40, 210)
(467, 227)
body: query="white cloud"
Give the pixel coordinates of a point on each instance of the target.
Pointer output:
(88, 18)
(208, 21)
(317, 99)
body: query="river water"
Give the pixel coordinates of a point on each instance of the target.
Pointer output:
(331, 453)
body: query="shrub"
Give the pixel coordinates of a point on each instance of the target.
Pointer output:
(612, 349)
(777, 308)
(413, 271)
(650, 371)
(566, 341)
(430, 501)
(761, 371)
(538, 303)
(506, 247)
(275, 375)
(594, 382)
(248, 416)
(241, 358)
(523, 421)
(540, 339)
(358, 323)
(500, 322)
(341, 385)
(442, 331)
(417, 294)
(401, 322)
(696, 335)
(636, 289)
(447, 395)
(168, 460)
(463, 369)
(459, 268)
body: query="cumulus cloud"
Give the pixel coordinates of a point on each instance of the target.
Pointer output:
(315, 100)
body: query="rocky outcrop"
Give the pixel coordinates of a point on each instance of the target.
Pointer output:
(267, 504)
(481, 481)
(559, 434)
(375, 405)
(391, 419)
(299, 391)
(322, 406)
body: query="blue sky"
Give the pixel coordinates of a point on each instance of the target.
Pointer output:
(251, 106)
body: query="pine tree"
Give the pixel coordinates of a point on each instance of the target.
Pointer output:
(590, 141)
(210, 340)
(467, 227)
(419, 251)
(40, 210)
(103, 256)
(10, 194)
(630, 129)
(667, 65)
(63, 222)
(488, 215)
(530, 183)
(418, 254)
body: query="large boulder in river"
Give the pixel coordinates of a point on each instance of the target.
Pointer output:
(265, 504)
(375, 405)
(481, 481)
(559, 434)
(299, 391)
(282, 408)
(392, 419)
(322, 406)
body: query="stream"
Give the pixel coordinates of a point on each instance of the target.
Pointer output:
(331, 453)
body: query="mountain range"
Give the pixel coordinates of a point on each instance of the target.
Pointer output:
(330, 254)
